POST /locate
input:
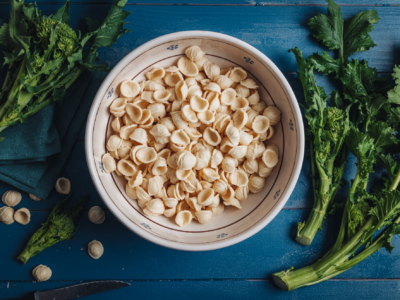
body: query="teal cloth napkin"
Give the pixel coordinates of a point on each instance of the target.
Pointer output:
(31, 141)
(35, 152)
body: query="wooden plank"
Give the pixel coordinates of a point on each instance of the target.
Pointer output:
(370, 3)
(161, 2)
(272, 30)
(238, 2)
(216, 290)
(128, 256)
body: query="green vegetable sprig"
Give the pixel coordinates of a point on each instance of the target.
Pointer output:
(372, 111)
(378, 209)
(46, 56)
(327, 128)
(348, 116)
(58, 227)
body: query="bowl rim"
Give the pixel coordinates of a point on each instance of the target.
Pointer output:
(92, 166)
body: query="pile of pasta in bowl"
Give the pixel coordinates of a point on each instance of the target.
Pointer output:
(191, 139)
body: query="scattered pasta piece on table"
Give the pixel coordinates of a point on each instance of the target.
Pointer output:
(42, 273)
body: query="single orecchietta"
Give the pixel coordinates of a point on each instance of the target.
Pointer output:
(95, 249)
(63, 186)
(34, 198)
(96, 215)
(22, 216)
(7, 215)
(190, 139)
(42, 273)
(11, 198)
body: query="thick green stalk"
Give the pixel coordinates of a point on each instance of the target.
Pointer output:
(12, 96)
(312, 163)
(321, 270)
(5, 84)
(342, 231)
(307, 233)
(25, 255)
(339, 175)
(337, 261)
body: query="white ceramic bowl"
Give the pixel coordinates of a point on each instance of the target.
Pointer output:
(233, 225)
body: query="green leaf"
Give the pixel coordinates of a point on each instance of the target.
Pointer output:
(73, 58)
(363, 147)
(112, 27)
(383, 135)
(90, 63)
(388, 163)
(17, 25)
(5, 35)
(336, 100)
(394, 94)
(386, 207)
(349, 36)
(394, 115)
(315, 97)
(376, 105)
(62, 14)
(29, 11)
(9, 57)
(363, 86)
(352, 79)
(356, 33)
(93, 24)
(370, 79)
(324, 63)
(121, 3)
(355, 138)
(328, 28)
(396, 75)
(389, 234)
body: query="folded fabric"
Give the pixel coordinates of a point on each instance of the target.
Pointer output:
(35, 168)
(31, 141)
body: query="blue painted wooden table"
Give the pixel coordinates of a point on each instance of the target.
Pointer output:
(242, 271)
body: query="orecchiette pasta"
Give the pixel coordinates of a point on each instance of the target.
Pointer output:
(63, 186)
(22, 216)
(42, 273)
(95, 249)
(96, 215)
(11, 198)
(189, 141)
(7, 215)
(34, 198)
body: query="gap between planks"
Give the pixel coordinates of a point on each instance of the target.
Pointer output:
(193, 280)
(251, 3)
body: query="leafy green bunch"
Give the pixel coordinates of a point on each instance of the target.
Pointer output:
(45, 56)
(363, 102)
(58, 227)
(327, 128)
(372, 108)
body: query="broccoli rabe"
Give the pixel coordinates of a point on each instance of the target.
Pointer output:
(58, 227)
(327, 128)
(46, 56)
(335, 123)
(373, 109)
